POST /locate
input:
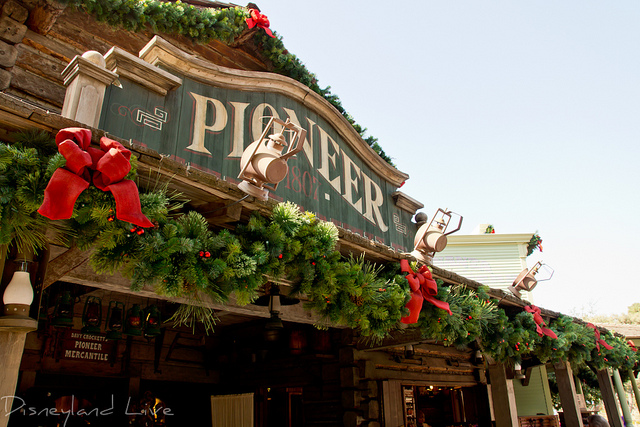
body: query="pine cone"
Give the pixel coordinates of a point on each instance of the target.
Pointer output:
(357, 300)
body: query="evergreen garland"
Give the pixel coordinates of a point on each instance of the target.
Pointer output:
(182, 257)
(203, 25)
(534, 243)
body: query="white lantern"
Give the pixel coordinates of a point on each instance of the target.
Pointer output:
(18, 295)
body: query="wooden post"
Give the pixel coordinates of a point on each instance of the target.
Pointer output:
(567, 391)
(636, 392)
(13, 334)
(610, 405)
(86, 78)
(622, 397)
(503, 397)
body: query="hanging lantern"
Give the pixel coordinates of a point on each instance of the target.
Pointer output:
(432, 237)
(133, 321)
(92, 315)
(526, 280)
(18, 295)
(518, 372)
(152, 321)
(63, 311)
(263, 162)
(114, 320)
(274, 301)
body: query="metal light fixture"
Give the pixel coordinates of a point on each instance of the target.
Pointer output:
(432, 237)
(18, 295)
(92, 315)
(409, 351)
(133, 321)
(274, 301)
(63, 311)
(263, 161)
(526, 280)
(152, 321)
(115, 316)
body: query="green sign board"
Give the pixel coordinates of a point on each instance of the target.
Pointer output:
(208, 127)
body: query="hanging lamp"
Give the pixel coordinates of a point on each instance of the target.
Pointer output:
(115, 316)
(92, 315)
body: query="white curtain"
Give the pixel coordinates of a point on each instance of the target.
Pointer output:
(232, 410)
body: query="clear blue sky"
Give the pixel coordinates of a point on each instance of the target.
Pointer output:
(525, 115)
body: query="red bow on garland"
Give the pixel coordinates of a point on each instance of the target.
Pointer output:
(598, 339)
(423, 287)
(106, 168)
(259, 20)
(632, 345)
(541, 326)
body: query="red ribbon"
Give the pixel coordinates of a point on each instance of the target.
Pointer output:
(541, 326)
(106, 168)
(598, 339)
(259, 20)
(423, 287)
(632, 345)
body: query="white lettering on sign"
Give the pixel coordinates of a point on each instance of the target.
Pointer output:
(85, 355)
(237, 114)
(354, 185)
(200, 126)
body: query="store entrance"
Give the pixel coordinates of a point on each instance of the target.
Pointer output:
(280, 407)
(436, 406)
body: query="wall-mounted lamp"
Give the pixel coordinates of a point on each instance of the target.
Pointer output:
(274, 301)
(92, 315)
(263, 162)
(18, 295)
(526, 280)
(432, 237)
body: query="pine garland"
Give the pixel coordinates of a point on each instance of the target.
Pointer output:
(182, 257)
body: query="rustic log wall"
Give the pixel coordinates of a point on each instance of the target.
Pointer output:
(39, 38)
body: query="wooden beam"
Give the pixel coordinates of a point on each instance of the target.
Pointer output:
(567, 391)
(64, 264)
(221, 213)
(622, 397)
(84, 275)
(503, 397)
(609, 399)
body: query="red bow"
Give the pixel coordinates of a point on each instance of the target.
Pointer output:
(423, 287)
(632, 345)
(259, 20)
(106, 168)
(541, 326)
(598, 339)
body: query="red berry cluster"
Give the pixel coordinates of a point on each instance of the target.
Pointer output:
(138, 230)
(204, 254)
